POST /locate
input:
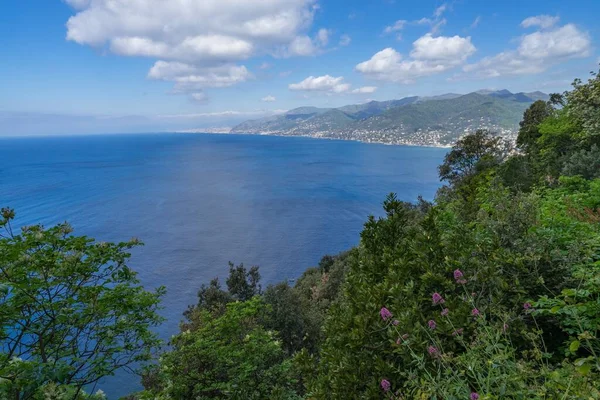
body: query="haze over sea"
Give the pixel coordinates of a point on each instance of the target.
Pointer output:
(199, 201)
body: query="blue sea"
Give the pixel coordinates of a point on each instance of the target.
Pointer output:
(199, 201)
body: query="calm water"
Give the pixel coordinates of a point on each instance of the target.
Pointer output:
(199, 201)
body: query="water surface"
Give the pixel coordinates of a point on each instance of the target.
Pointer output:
(199, 201)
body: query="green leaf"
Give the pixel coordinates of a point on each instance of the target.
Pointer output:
(574, 346)
(584, 369)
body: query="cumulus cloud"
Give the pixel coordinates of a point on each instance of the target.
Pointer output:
(345, 40)
(302, 46)
(452, 49)
(201, 34)
(536, 51)
(430, 55)
(268, 99)
(365, 89)
(543, 21)
(324, 83)
(188, 77)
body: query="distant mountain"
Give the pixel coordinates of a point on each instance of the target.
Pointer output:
(437, 120)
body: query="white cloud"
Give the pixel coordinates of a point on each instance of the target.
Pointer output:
(200, 97)
(440, 10)
(365, 89)
(265, 65)
(535, 53)
(323, 36)
(215, 48)
(324, 83)
(203, 34)
(437, 22)
(430, 55)
(268, 99)
(476, 22)
(543, 21)
(302, 46)
(190, 78)
(345, 40)
(398, 26)
(454, 49)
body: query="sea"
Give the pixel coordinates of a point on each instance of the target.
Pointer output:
(198, 201)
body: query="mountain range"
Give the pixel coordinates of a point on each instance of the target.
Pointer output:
(433, 121)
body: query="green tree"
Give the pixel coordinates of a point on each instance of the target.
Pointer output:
(584, 104)
(470, 155)
(529, 131)
(229, 356)
(71, 311)
(242, 283)
(585, 163)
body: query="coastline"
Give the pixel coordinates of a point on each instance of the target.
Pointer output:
(439, 146)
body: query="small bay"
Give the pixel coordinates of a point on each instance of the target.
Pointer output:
(199, 201)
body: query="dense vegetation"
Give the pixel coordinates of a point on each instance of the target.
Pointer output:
(408, 120)
(490, 292)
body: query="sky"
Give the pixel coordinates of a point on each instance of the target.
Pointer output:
(110, 66)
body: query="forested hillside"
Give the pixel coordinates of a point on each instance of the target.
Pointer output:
(437, 120)
(492, 291)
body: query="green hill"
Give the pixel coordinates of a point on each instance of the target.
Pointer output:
(438, 120)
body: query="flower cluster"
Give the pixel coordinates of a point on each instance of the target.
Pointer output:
(385, 314)
(459, 277)
(437, 299)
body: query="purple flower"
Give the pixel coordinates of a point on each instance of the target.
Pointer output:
(458, 274)
(475, 312)
(395, 322)
(458, 332)
(385, 385)
(504, 328)
(444, 312)
(405, 336)
(432, 324)
(527, 306)
(433, 351)
(399, 341)
(385, 314)
(474, 396)
(437, 298)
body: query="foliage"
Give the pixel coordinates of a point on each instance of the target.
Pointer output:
(469, 156)
(585, 163)
(584, 104)
(529, 131)
(71, 311)
(229, 356)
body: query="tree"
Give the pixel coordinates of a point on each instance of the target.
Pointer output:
(584, 163)
(529, 125)
(584, 104)
(243, 284)
(469, 155)
(230, 356)
(71, 311)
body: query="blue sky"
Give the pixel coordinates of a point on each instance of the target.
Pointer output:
(92, 66)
